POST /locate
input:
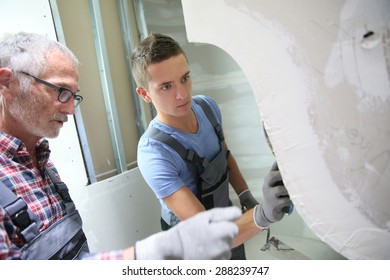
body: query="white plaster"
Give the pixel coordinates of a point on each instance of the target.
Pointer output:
(326, 115)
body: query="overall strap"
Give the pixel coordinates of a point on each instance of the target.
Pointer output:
(210, 115)
(21, 216)
(60, 186)
(62, 190)
(186, 154)
(28, 222)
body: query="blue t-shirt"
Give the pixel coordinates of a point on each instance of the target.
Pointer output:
(163, 168)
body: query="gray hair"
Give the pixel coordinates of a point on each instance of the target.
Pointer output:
(28, 52)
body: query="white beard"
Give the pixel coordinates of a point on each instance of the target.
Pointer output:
(27, 110)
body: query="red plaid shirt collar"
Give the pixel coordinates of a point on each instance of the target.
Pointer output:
(15, 149)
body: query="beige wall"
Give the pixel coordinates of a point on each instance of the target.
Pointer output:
(76, 23)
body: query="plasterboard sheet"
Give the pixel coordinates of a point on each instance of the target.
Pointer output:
(319, 71)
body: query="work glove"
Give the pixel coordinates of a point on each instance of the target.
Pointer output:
(276, 200)
(247, 200)
(207, 235)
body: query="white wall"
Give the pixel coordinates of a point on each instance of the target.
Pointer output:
(322, 89)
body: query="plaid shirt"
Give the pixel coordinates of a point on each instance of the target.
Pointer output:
(18, 173)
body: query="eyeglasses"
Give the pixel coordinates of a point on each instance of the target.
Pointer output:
(64, 94)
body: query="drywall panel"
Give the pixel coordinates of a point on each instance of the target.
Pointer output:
(118, 211)
(35, 16)
(319, 71)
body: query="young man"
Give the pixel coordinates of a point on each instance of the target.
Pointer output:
(183, 155)
(38, 219)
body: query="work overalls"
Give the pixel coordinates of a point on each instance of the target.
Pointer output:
(64, 239)
(212, 176)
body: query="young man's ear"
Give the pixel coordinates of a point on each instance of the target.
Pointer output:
(144, 94)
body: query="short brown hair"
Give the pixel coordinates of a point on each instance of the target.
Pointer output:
(153, 49)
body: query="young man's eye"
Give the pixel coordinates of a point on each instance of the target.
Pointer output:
(185, 78)
(166, 87)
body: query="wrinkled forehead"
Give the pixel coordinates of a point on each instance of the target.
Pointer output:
(57, 61)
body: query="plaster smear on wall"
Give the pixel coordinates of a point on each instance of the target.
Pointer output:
(321, 82)
(358, 132)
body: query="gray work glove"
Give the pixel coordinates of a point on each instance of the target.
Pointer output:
(275, 199)
(247, 200)
(207, 235)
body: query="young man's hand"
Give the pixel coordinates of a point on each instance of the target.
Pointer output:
(275, 199)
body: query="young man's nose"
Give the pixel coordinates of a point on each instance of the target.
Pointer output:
(181, 92)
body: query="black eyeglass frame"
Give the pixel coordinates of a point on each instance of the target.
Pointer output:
(77, 98)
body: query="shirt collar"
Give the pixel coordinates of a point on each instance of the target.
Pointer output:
(15, 149)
